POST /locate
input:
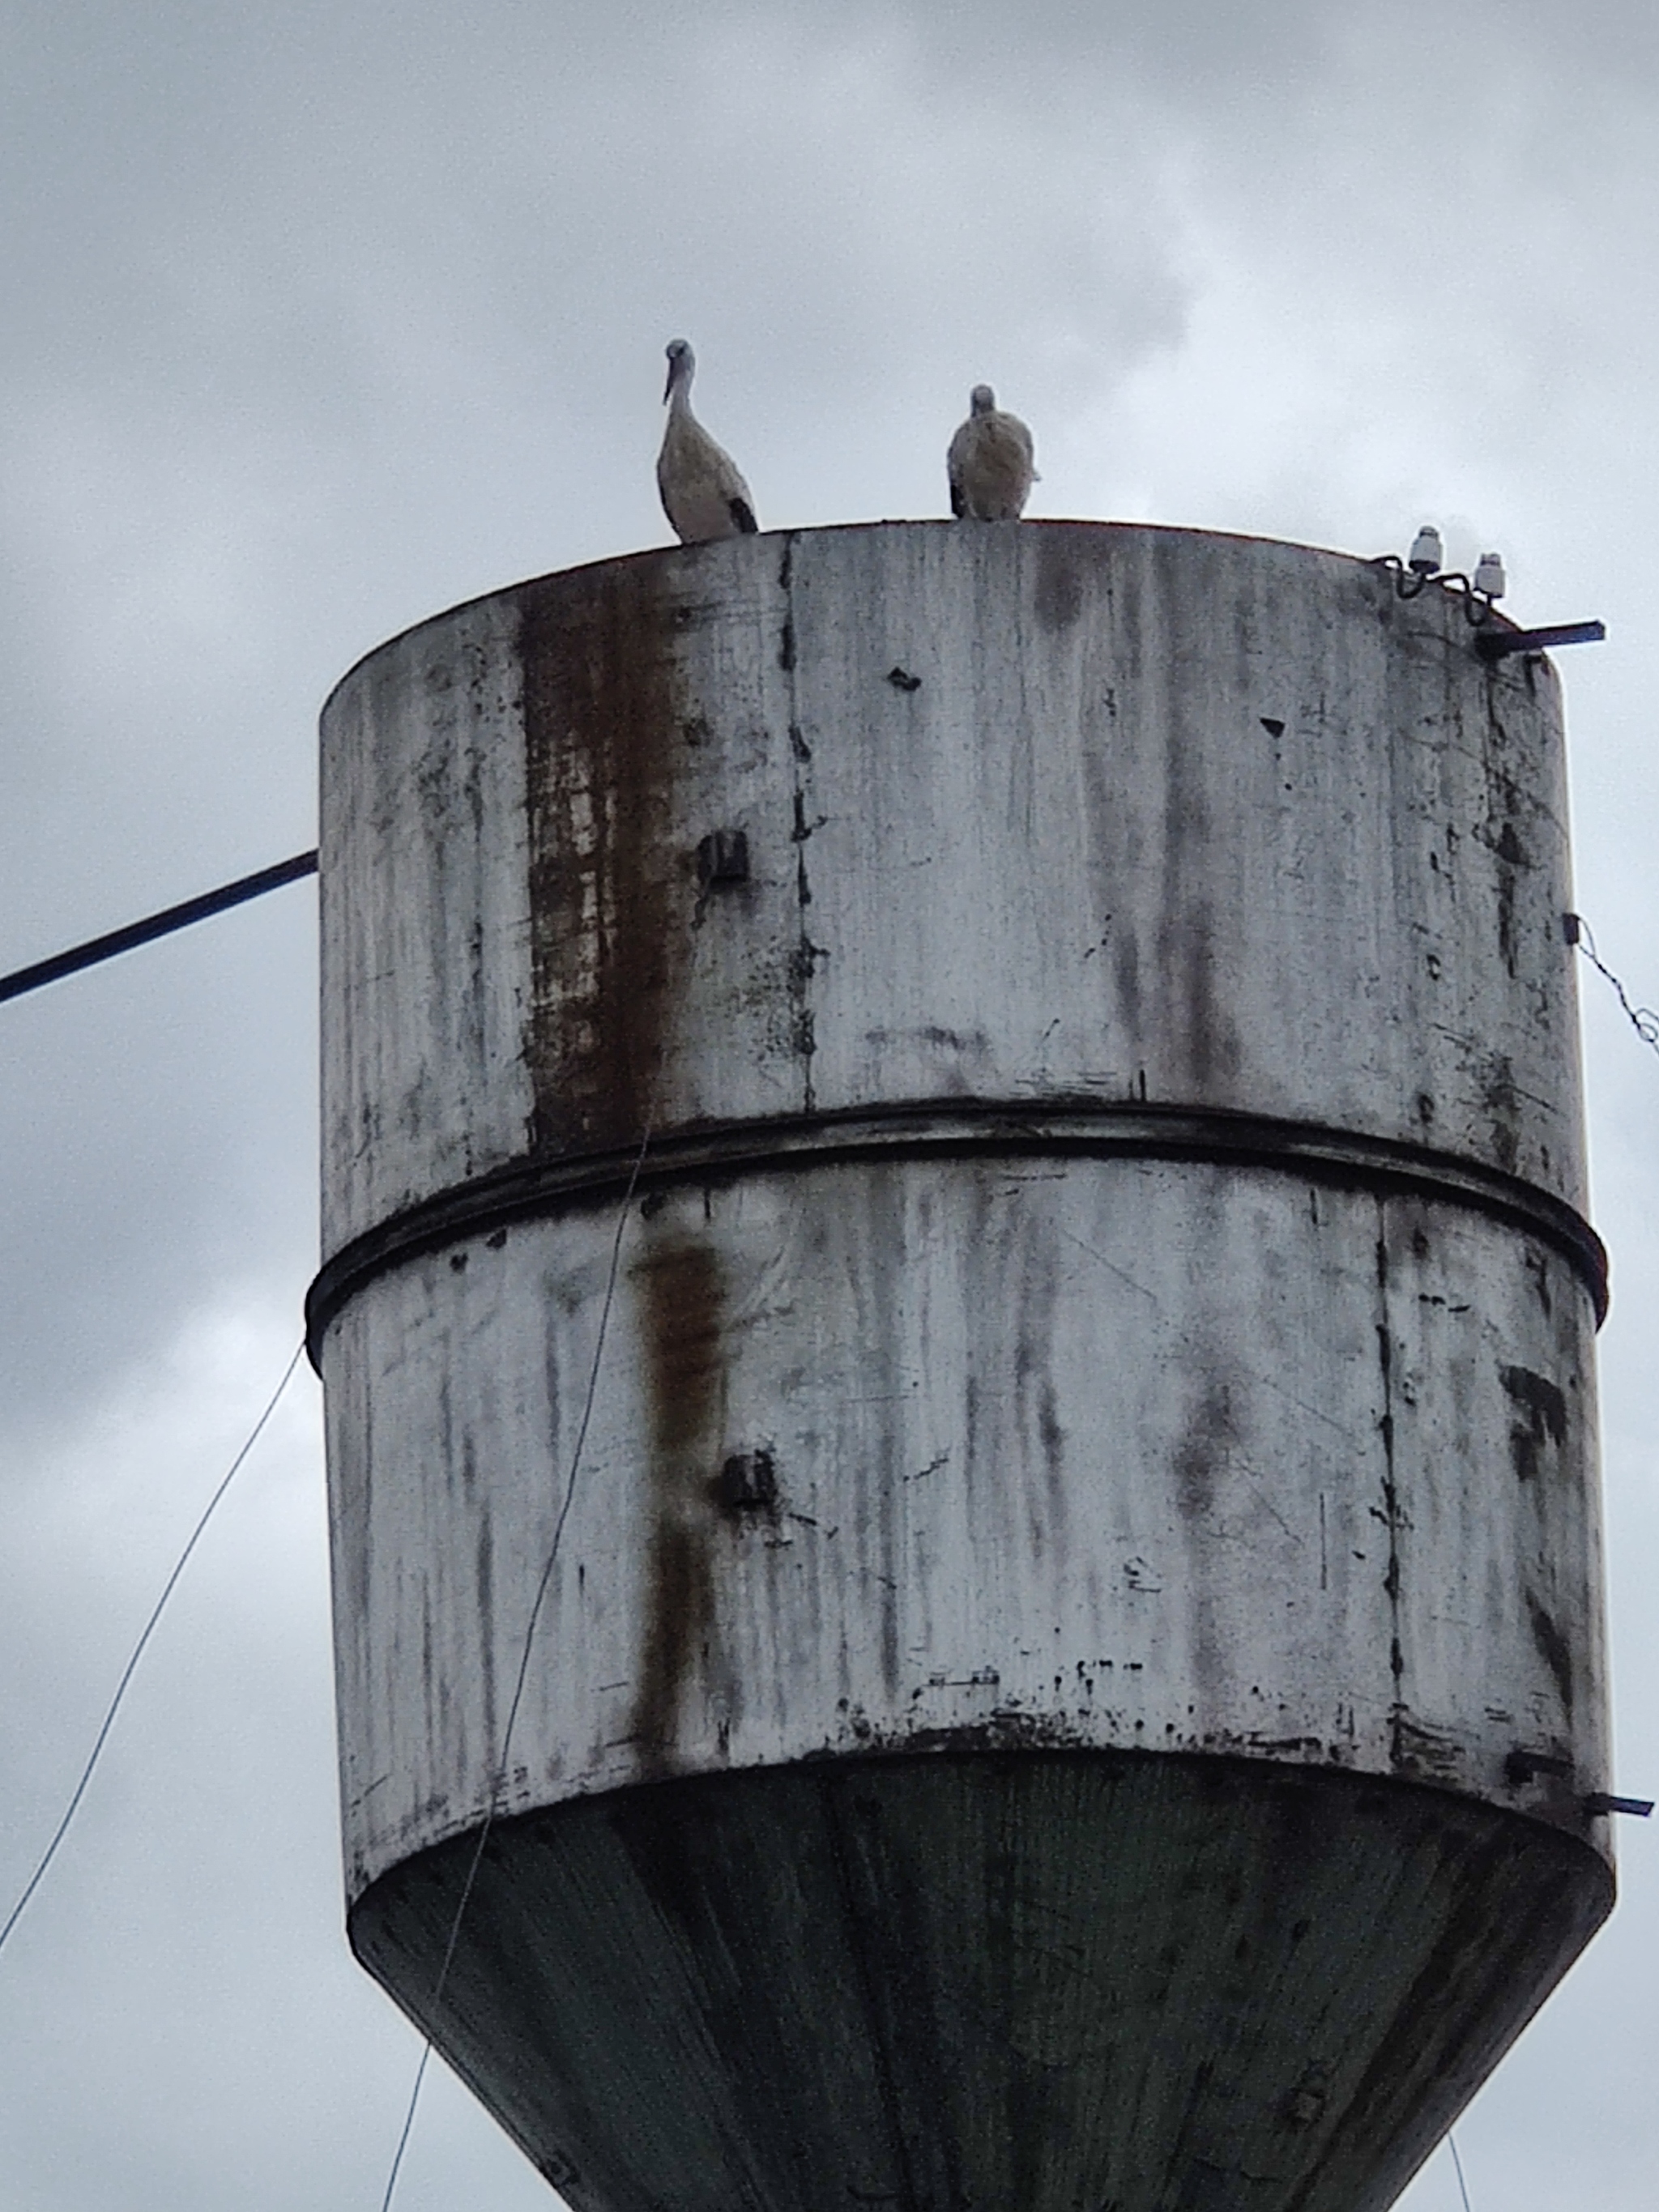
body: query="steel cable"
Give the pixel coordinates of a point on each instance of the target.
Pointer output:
(138, 1653)
(499, 1776)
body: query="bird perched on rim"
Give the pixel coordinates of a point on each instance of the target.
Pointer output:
(703, 493)
(990, 462)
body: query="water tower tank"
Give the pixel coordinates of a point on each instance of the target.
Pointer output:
(1040, 1063)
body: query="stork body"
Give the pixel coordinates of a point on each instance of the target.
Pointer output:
(990, 462)
(703, 493)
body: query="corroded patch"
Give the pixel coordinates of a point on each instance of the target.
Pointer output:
(609, 885)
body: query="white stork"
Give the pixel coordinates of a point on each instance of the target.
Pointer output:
(703, 493)
(990, 462)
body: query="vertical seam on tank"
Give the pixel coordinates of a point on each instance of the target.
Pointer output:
(898, 2150)
(1390, 1490)
(803, 955)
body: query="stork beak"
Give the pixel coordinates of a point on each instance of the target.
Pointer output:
(669, 387)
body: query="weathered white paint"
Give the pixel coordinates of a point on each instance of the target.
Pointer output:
(1088, 1008)
(1074, 862)
(1066, 1453)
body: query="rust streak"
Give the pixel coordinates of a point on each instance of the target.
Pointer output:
(682, 1300)
(609, 886)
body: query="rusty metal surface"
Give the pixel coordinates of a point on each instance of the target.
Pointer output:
(1102, 1344)
(1154, 816)
(1045, 1981)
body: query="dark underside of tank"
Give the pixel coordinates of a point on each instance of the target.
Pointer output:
(1032, 1982)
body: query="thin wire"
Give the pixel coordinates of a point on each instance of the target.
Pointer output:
(127, 1672)
(1643, 1019)
(500, 1778)
(1463, 2186)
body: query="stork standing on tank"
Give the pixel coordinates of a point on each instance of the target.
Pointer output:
(703, 493)
(990, 462)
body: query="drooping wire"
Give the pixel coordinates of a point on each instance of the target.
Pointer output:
(499, 1780)
(1463, 2186)
(1643, 1019)
(127, 1672)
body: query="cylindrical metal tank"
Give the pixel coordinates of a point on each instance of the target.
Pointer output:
(967, 1141)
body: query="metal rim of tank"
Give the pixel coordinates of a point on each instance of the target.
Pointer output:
(1031, 523)
(951, 1128)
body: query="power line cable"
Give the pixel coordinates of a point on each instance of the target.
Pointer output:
(180, 1564)
(1643, 1019)
(98, 949)
(500, 1777)
(1463, 2186)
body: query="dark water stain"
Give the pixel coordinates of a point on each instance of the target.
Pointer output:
(1546, 1411)
(603, 719)
(1059, 596)
(1553, 1647)
(1502, 1099)
(1211, 1431)
(485, 1562)
(1507, 802)
(682, 1302)
(1208, 1437)
(1198, 993)
(1511, 856)
(1125, 966)
(1196, 956)
(1506, 918)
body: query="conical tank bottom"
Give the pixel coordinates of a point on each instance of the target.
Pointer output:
(1025, 1982)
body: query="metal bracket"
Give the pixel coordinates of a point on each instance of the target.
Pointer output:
(1524, 1766)
(723, 857)
(1499, 644)
(747, 1481)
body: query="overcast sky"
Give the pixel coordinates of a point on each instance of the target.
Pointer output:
(320, 318)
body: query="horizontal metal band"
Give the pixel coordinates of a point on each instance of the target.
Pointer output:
(956, 1129)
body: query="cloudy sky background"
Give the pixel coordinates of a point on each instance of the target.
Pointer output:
(320, 318)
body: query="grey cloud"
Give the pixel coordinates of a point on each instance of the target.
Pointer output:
(319, 319)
